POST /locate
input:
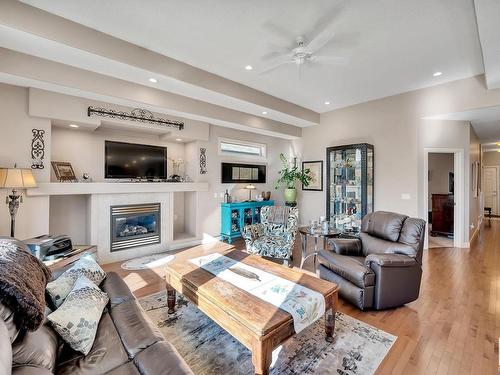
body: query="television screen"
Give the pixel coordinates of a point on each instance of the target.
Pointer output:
(130, 160)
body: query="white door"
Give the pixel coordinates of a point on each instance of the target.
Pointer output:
(490, 180)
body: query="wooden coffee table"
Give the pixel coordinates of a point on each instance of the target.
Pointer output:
(258, 325)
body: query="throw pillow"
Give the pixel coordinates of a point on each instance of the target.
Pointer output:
(60, 287)
(22, 284)
(77, 319)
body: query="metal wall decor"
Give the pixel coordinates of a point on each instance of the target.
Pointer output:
(37, 149)
(137, 114)
(203, 160)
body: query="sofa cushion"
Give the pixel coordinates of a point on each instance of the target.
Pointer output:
(7, 316)
(30, 370)
(134, 327)
(78, 317)
(6, 350)
(271, 246)
(106, 354)
(385, 225)
(38, 348)
(116, 289)
(349, 267)
(85, 266)
(171, 362)
(374, 245)
(128, 368)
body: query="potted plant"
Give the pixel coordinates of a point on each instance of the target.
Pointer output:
(289, 176)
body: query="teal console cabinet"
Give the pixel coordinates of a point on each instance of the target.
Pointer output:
(234, 216)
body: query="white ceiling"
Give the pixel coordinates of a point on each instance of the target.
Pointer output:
(393, 46)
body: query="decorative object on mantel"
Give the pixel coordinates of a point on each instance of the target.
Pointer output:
(64, 171)
(266, 195)
(37, 149)
(15, 178)
(358, 348)
(315, 169)
(147, 262)
(137, 114)
(289, 176)
(176, 176)
(86, 177)
(203, 160)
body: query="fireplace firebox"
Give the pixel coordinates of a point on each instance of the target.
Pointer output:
(135, 225)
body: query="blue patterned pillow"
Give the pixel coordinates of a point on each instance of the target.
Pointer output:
(60, 287)
(77, 319)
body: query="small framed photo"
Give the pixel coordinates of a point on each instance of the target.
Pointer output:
(316, 172)
(63, 170)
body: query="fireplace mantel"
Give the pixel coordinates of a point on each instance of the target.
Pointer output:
(90, 188)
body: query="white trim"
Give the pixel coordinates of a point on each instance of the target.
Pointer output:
(262, 146)
(493, 212)
(459, 211)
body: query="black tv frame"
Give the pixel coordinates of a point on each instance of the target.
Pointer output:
(165, 165)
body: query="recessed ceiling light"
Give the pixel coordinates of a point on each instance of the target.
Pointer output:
(327, 103)
(498, 143)
(153, 80)
(498, 150)
(264, 112)
(437, 74)
(178, 139)
(73, 126)
(249, 67)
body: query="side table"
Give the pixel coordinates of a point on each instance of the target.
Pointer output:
(317, 233)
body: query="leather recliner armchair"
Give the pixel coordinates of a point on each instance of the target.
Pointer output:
(380, 269)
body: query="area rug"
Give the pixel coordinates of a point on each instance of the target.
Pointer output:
(146, 262)
(358, 348)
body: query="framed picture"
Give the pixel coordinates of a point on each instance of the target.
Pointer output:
(316, 172)
(63, 170)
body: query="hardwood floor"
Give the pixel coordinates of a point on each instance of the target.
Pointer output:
(453, 328)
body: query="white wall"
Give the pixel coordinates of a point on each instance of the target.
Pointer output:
(209, 204)
(15, 146)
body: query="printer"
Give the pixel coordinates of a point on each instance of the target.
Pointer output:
(49, 247)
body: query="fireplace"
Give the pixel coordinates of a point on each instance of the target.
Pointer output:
(135, 225)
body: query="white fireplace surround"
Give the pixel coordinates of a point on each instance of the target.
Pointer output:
(100, 196)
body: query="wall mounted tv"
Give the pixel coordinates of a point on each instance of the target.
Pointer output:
(130, 160)
(233, 173)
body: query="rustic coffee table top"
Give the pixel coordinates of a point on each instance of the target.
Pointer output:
(257, 315)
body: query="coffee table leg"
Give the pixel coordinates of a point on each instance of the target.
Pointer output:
(170, 299)
(330, 317)
(262, 355)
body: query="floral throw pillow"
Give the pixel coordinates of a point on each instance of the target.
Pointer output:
(77, 319)
(60, 287)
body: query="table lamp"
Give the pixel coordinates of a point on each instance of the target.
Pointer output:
(15, 178)
(250, 188)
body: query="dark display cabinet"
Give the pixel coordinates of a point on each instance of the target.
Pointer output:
(349, 187)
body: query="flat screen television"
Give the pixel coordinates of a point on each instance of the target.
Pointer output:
(130, 160)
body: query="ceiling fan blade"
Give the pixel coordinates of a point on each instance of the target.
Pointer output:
(279, 34)
(274, 50)
(276, 63)
(321, 39)
(333, 60)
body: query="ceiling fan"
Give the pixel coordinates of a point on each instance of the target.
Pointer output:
(304, 53)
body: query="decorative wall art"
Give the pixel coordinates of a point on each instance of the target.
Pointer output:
(242, 173)
(137, 114)
(475, 179)
(37, 149)
(64, 171)
(316, 173)
(203, 160)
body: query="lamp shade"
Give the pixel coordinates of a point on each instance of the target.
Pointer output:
(250, 187)
(16, 178)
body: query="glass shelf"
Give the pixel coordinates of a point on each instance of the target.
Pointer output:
(349, 185)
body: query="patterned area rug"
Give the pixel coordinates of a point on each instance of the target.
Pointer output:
(149, 261)
(358, 348)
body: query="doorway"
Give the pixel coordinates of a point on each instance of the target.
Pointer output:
(490, 188)
(443, 196)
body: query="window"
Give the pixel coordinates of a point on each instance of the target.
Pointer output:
(234, 147)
